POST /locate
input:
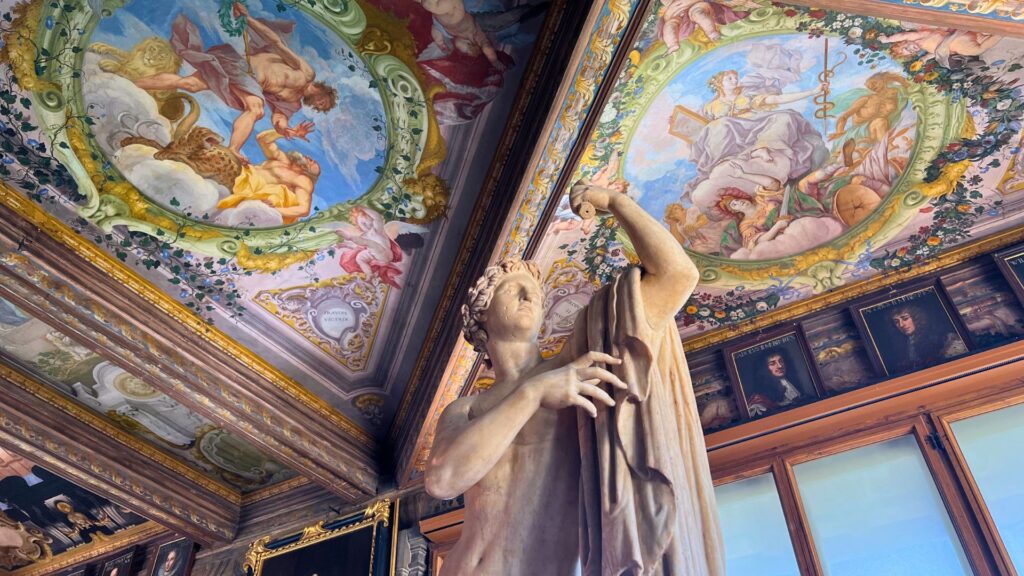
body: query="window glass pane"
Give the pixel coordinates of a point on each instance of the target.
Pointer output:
(756, 538)
(875, 510)
(992, 443)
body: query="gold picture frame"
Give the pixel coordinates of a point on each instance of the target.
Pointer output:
(379, 519)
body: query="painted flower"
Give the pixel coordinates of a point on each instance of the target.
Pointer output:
(719, 314)
(691, 309)
(871, 34)
(895, 262)
(963, 208)
(817, 13)
(741, 314)
(790, 12)
(854, 32)
(931, 75)
(704, 312)
(916, 66)
(1003, 104)
(933, 241)
(761, 306)
(902, 251)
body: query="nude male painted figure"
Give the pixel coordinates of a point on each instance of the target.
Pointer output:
(271, 74)
(596, 454)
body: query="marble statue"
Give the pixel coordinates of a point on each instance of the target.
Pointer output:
(595, 455)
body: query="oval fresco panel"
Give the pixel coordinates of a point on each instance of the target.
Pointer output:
(233, 120)
(771, 149)
(753, 164)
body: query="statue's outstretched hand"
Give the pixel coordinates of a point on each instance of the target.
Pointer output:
(576, 384)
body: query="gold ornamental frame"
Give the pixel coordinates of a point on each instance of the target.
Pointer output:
(377, 513)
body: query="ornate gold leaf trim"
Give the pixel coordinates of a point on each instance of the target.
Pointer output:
(274, 490)
(377, 512)
(104, 427)
(123, 539)
(177, 312)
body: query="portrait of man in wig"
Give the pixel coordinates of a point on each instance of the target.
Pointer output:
(593, 456)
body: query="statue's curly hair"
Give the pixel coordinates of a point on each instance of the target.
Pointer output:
(478, 298)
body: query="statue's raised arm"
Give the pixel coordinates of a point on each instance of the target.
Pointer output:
(669, 276)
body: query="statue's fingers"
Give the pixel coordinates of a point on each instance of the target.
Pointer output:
(603, 375)
(587, 405)
(593, 357)
(596, 393)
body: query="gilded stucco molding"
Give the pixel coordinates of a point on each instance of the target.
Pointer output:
(123, 539)
(33, 283)
(176, 311)
(102, 426)
(270, 491)
(109, 347)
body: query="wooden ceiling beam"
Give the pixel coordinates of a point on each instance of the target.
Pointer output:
(72, 284)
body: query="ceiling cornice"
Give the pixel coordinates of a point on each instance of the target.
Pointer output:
(71, 283)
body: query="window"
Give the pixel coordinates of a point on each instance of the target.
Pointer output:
(754, 529)
(875, 510)
(991, 444)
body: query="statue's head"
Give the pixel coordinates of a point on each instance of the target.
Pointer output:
(506, 303)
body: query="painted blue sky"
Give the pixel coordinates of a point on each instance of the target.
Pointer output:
(344, 142)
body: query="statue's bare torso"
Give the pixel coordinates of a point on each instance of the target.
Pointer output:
(521, 519)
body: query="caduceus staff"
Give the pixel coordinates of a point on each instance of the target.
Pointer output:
(825, 105)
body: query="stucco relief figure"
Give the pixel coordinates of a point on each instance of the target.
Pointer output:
(598, 449)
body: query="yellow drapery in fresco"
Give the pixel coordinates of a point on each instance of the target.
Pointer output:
(251, 184)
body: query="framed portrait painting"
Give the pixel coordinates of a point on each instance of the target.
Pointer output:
(119, 565)
(1011, 264)
(911, 330)
(173, 558)
(773, 372)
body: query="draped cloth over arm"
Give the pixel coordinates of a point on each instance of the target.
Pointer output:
(648, 504)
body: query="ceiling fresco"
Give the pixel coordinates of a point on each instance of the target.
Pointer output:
(132, 405)
(793, 150)
(47, 516)
(299, 174)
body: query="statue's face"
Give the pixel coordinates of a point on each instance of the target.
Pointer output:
(517, 309)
